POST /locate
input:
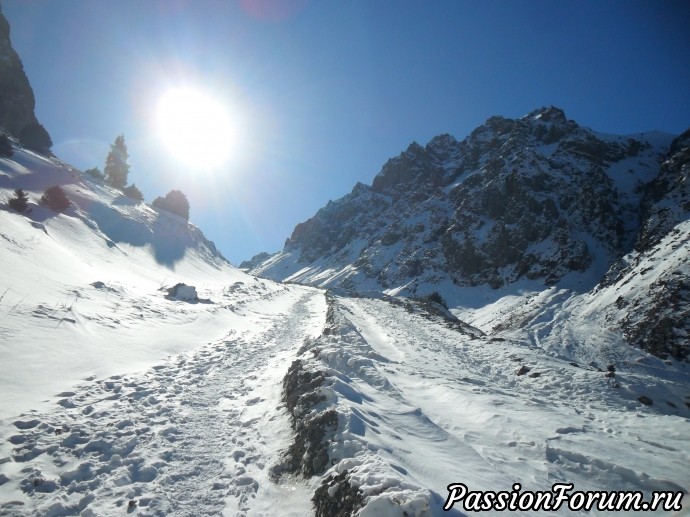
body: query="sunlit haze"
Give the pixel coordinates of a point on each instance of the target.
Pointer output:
(196, 128)
(275, 107)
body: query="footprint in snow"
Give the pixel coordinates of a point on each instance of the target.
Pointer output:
(570, 430)
(26, 424)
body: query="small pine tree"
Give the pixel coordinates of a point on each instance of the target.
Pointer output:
(437, 298)
(116, 166)
(174, 201)
(95, 172)
(35, 137)
(20, 201)
(6, 149)
(133, 192)
(55, 199)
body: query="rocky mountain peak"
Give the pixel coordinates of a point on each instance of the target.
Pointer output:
(547, 114)
(411, 166)
(537, 197)
(17, 101)
(4, 25)
(441, 142)
(680, 143)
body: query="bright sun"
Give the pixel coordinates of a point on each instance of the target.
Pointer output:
(196, 128)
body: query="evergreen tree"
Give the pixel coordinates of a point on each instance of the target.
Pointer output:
(116, 166)
(55, 199)
(20, 201)
(35, 137)
(174, 201)
(133, 192)
(95, 172)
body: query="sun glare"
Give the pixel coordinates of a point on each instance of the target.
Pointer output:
(196, 128)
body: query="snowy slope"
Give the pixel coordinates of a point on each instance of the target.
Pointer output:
(422, 402)
(102, 368)
(645, 304)
(81, 289)
(194, 435)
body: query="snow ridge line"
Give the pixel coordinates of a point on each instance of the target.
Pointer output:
(322, 390)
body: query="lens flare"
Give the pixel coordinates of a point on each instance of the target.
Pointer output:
(196, 128)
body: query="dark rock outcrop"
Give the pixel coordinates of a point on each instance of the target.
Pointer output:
(337, 497)
(17, 101)
(308, 452)
(667, 199)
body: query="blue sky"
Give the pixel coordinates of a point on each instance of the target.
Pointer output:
(326, 91)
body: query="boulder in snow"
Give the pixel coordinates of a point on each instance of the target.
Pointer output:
(184, 292)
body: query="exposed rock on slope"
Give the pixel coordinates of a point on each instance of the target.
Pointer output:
(667, 199)
(16, 96)
(538, 197)
(654, 281)
(255, 260)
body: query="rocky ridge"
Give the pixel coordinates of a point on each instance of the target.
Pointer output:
(17, 101)
(538, 200)
(537, 197)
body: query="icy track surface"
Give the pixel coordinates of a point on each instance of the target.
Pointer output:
(193, 436)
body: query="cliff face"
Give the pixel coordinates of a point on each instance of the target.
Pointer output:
(17, 101)
(667, 199)
(651, 285)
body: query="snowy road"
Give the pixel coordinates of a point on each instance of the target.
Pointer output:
(194, 436)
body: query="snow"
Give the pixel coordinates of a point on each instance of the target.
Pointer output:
(427, 405)
(192, 435)
(547, 149)
(91, 341)
(60, 285)
(118, 397)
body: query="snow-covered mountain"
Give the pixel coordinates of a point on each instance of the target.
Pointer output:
(537, 198)
(72, 272)
(519, 205)
(141, 373)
